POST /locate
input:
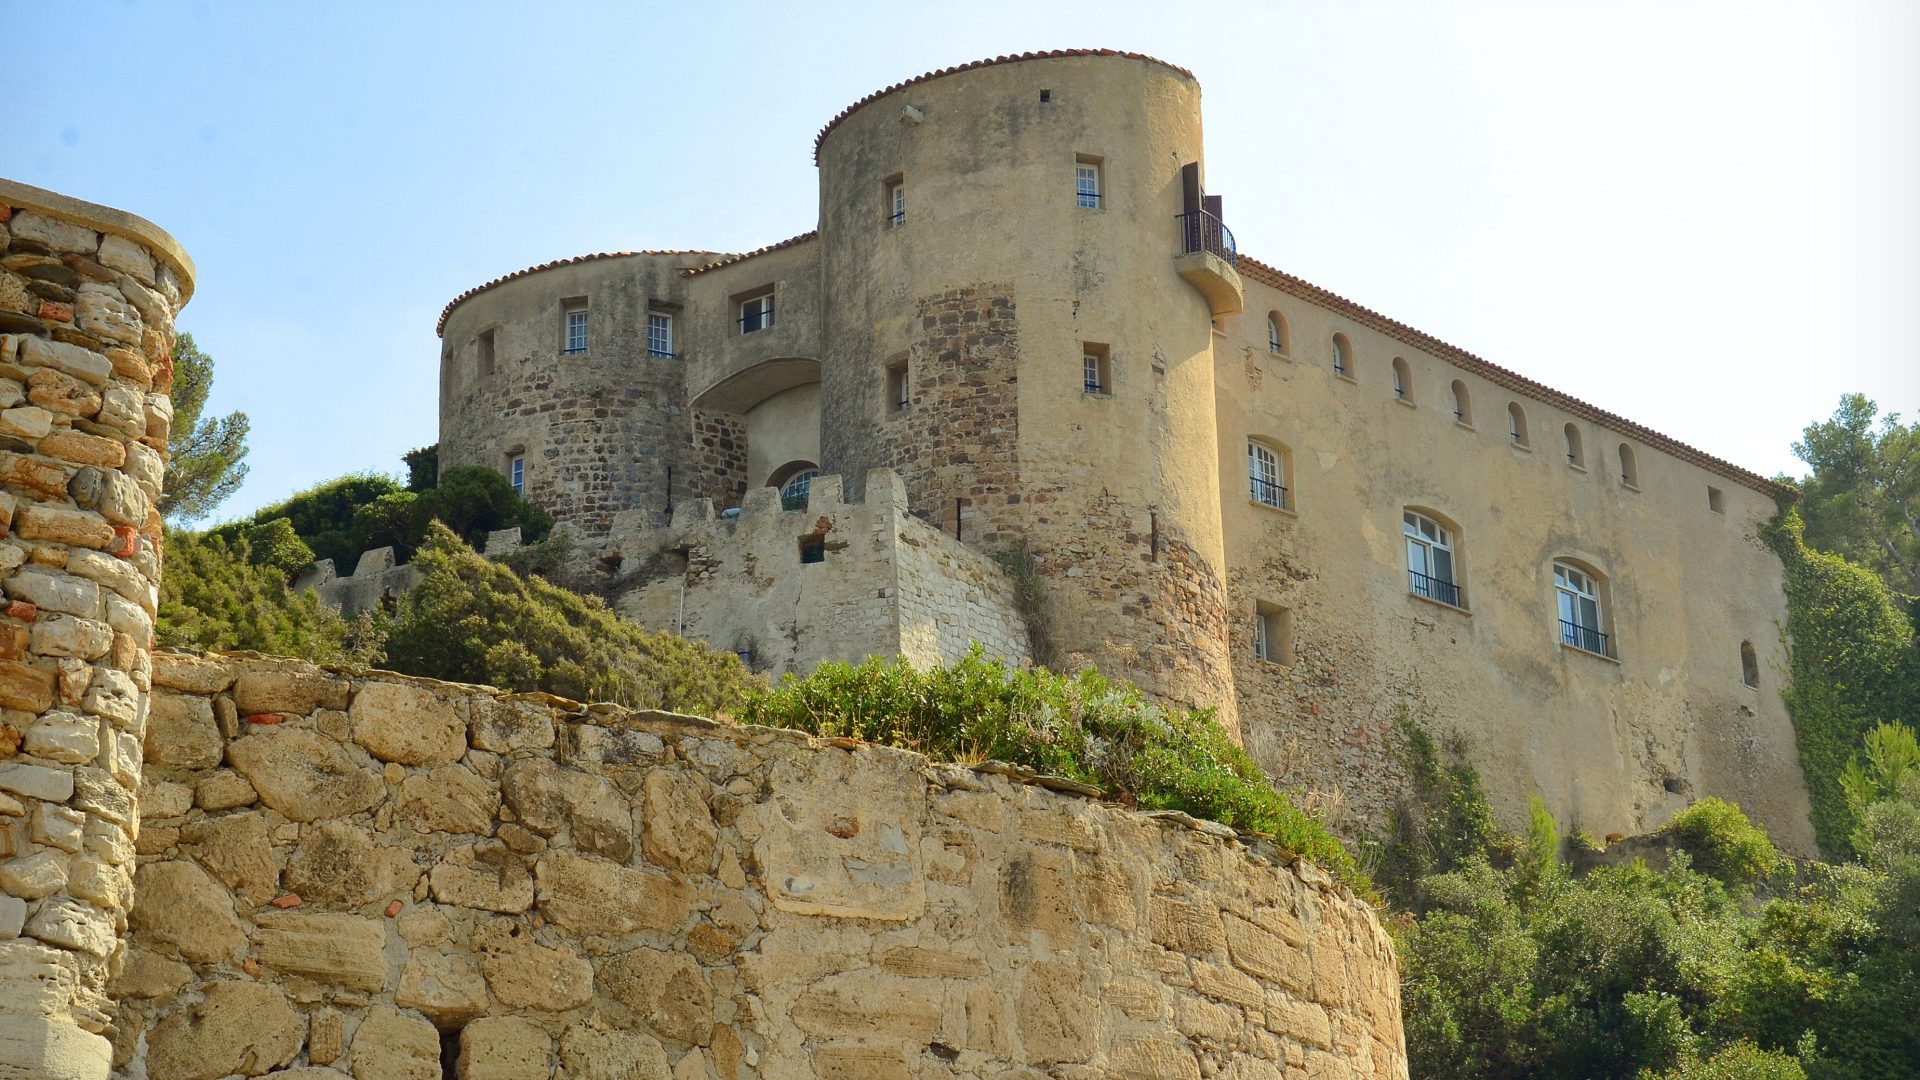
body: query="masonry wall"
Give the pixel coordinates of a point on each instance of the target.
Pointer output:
(378, 875)
(885, 583)
(87, 300)
(1613, 745)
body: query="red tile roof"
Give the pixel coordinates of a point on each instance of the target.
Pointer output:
(439, 328)
(731, 259)
(1500, 376)
(1052, 54)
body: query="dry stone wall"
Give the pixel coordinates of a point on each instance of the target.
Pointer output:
(87, 300)
(386, 877)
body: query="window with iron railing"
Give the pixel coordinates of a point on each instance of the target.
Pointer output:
(660, 335)
(1266, 476)
(756, 313)
(1086, 184)
(1577, 597)
(574, 332)
(1431, 569)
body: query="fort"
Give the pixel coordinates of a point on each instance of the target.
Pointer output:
(236, 865)
(1230, 486)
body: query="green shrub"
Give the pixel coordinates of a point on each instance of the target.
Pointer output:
(471, 620)
(275, 544)
(1739, 1061)
(323, 516)
(1084, 727)
(217, 595)
(1723, 842)
(1441, 823)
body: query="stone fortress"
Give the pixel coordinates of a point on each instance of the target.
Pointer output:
(220, 866)
(1019, 387)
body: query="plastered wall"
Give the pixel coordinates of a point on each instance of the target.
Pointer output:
(389, 877)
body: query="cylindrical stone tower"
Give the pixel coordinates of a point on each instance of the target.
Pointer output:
(1000, 242)
(87, 300)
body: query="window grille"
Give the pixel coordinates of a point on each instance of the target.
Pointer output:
(659, 335)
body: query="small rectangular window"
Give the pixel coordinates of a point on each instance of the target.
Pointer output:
(1086, 181)
(898, 396)
(1096, 368)
(485, 345)
(756, 313)
(517, 473)
(573, 326)
(896, 201)
(660, 334)
(1716, 502)
(1273, 633)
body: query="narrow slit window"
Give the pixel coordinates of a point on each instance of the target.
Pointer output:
(1462, 404)
(1273, 633)
(485, 345)
(517, 474)
(1086, 182)
(898, 396)
(1276, 334)
(1096, 368)
(1516, 424)
(660, 334)
(896, 188)
(1342, 356)
(1629, 471)
(1716, 502)
(1749, 664)
(1402, 380)
(573, 327)
(1576, 454)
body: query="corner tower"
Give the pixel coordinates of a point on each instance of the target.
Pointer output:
(1007, 325)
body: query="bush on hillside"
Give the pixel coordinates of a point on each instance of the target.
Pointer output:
(1083, 727)
(1723, 842)
(215, 594)
(322, 516)
(471, 620)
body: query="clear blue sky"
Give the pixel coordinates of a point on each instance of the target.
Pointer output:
(1705, 216)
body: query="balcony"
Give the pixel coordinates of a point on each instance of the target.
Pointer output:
(1586, 639)
(1208, 259)
(1433, 588)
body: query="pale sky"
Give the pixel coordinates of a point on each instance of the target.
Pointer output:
(1703, 216)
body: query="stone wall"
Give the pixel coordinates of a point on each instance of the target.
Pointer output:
(375, 582)
(87, 300)
(391, 877)
(885, 583)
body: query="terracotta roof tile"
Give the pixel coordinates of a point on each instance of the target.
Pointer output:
(440, 327)
(1498, 375)
(1051, 54)
(731, 259)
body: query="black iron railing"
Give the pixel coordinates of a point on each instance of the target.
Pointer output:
(752, 320)
(661, 354)
(1585, 638)
(1434, 588)
(1267, 493)
(1089, 200)
(1201, 231)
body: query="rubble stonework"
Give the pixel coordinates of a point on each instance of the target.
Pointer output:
(372, 874)
(87, 301)
(885, 583)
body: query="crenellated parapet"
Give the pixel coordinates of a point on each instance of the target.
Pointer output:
(821, 577)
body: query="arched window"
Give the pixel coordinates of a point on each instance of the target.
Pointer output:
(1576, 456)
(1629, 472)
(1277, 333)
(1582, 617)
(1342, 356)
(1431, 566)
(1402, 380)
(1267, 475)
(795, 480)
(1462, 403)
(1749, 664)
(1516, 423)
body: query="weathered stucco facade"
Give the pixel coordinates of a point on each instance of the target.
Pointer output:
(1016, 301)
(87, 300)
(394, 877)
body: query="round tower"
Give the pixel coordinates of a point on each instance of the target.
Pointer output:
(1007, 325)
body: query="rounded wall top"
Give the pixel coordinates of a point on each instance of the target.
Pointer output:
(104, 219)
(1052, 54)
(440, 327)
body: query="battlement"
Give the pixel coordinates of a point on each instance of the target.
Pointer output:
(376, 580)
(789, 588)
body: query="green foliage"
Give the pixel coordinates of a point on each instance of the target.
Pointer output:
(423, 467)
(473, 501)
(1893, 761)
(1854, 663)
(206, 456)
(216, 595)
(1863, 499)
(1739, 1061)
(275, 544)
(1442, 823)
(471, 620)
(1084, 727)
(1679, 974)
(1723, 842)
(323, 515)
(397, 519)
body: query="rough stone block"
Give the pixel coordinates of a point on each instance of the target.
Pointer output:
(594, 896)
(83, 364)
(341, 950)
(593, 1054)
(679, 830)
(449, 799)
(179, 904)
(443, 986)
(504, 1048)
(524, 974)
(191, 674)
(42, 873)
(119, 253)
(181, 732)
(486, 876)
(239, 1027)
(303, 775)
(408, 725)
(70, 635)
(52, 233)
(24, 687)
(293, 692)
(390, 1045)
(239, 850)
(64, 737)
(506, 726)
(665, 990)
(36, 781)
(82, 528)
(102, 311)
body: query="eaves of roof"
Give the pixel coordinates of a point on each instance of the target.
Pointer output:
(439, 328)
(744, 256)
(1500, 376)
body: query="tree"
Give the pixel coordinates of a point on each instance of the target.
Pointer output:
(1863, 499)
(207, 454)
(217, 594)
